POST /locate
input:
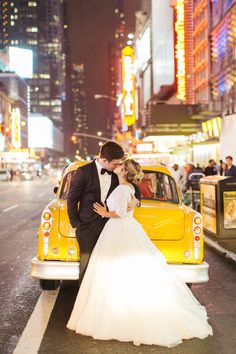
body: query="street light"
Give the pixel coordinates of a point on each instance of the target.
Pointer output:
(97, 96)
(92, 136)
(117, 99)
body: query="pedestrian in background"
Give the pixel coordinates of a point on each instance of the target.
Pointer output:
(177, 173)
(231, 169)
(11, 174)
(210, 170)
(223, 168)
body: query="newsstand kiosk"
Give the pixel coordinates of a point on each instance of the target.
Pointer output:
(218, 209)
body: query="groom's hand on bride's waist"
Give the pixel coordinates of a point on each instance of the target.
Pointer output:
(134, 203)
(100, 209)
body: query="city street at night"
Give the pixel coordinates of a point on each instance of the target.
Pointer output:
(118, 176)
(21, 205)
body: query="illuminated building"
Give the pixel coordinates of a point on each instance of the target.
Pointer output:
(223, 71)
(38, 25)
(79, 110)
(119, 24)
(114, 119)
(15, 88)
(5, 123)
(201, 52)
(223, 56)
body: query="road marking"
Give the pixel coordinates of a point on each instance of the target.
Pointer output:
(32, 335)
(10, 208)
(10, 191)
(40, 195)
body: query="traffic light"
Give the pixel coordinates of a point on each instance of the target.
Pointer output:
(2, 128)
(74, 139)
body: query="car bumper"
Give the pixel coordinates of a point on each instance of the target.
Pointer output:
(190, 273)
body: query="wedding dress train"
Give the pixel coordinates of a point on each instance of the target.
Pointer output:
(128, 292)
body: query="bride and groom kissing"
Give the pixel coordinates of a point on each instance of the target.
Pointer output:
(126, 290)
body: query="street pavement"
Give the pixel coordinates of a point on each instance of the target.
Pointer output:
(24, 307)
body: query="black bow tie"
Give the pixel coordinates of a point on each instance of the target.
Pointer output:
(103, 170)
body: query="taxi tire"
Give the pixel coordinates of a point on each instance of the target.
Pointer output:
(47, 284)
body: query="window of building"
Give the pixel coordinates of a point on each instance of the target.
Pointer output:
(32, 4)
(31, 29)
(32, 41)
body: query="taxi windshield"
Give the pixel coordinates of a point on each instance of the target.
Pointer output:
(154, 186)
(158, 186)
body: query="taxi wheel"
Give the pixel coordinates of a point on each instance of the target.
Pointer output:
(47, 284)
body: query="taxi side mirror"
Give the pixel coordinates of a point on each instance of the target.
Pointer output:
(55, 190)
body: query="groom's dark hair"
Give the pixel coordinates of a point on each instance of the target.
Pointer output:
(111, 151)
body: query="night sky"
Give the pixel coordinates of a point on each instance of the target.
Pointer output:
(92, 27)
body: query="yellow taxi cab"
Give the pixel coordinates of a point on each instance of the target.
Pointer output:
(176, 229)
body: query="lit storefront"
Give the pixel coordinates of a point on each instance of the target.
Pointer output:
(5, 124)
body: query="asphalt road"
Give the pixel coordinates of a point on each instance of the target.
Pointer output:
(21, 204)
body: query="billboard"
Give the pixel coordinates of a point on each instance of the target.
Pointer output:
(162, 44)
(143, 49)
(128, 85)
(229, 199)
(208, 207)
(21, 62)
(40, 132)
(16, 131)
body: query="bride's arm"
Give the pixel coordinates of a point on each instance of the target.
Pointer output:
(101, 210)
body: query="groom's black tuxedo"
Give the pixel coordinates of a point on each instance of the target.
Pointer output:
(85, 190)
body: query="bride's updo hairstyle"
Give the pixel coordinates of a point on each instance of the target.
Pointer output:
(134, 171)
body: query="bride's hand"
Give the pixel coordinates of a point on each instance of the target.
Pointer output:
(100, 209)
(133, 203)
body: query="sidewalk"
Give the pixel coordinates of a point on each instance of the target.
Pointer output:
(219, 249)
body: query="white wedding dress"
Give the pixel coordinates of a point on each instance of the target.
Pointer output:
(128, 293)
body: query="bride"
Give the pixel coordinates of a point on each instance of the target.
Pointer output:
(128, 292)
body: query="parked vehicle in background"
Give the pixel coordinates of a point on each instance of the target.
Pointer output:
(4, 174)
(26, 175)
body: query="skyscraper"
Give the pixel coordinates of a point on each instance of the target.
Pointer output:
(79, 108)
(38, 25)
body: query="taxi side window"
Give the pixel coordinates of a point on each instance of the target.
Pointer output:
(66, 185)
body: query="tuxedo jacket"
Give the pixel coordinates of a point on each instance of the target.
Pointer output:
(85, 190)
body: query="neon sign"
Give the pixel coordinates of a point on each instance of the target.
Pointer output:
(16, 131)
(180, 50)
(128, 86)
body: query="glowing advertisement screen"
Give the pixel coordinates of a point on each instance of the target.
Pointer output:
(40, 132)
(162, 44)
(229, 198)
(21, 62)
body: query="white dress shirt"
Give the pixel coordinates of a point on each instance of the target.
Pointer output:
(105, 181)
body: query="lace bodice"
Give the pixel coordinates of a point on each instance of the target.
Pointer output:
(119, 198)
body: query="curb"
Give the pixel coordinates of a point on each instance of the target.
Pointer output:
(223, 251)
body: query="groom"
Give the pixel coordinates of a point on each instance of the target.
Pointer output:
(92, 183)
